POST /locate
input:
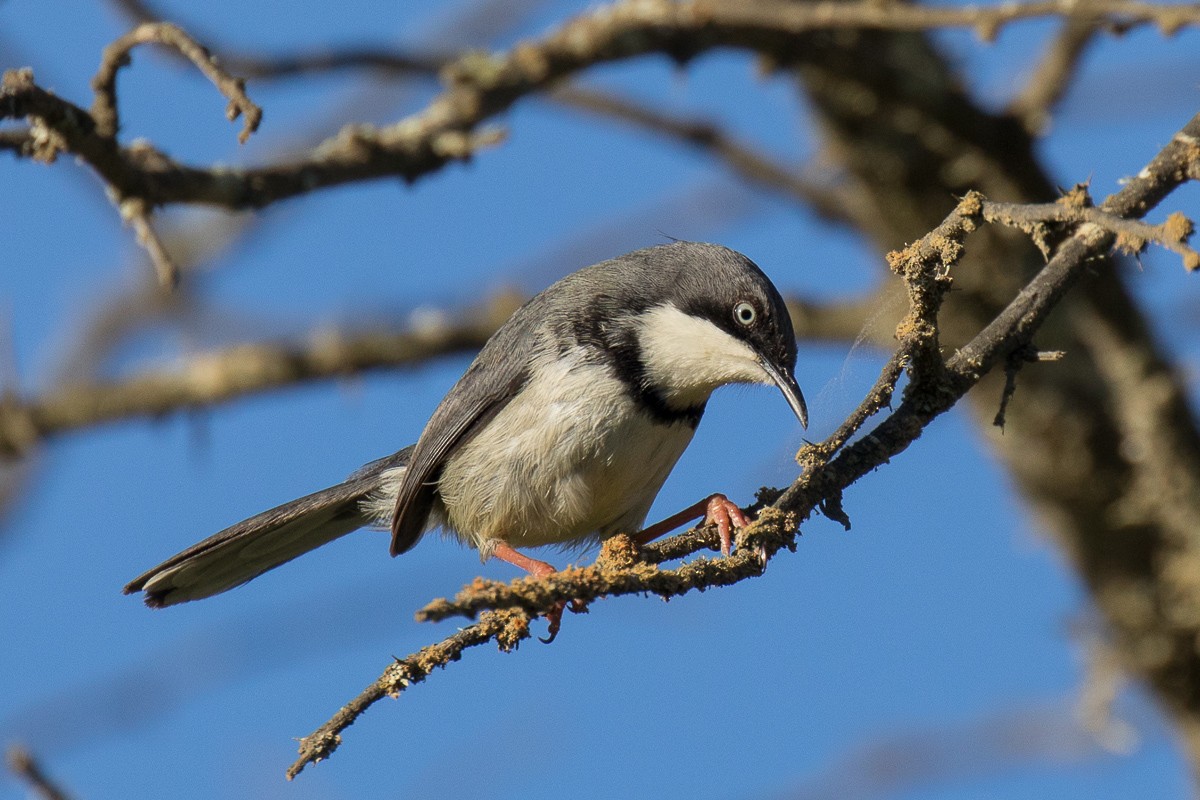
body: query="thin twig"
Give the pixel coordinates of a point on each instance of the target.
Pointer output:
(116, 55)
(507, 628)
(135, 212)
(1133, 236)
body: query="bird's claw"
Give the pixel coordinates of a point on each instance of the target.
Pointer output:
(726, 515)
(554, 617)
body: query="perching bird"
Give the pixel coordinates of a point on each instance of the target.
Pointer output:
(562, 430)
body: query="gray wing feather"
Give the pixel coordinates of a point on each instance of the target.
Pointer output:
(491, 381)
(253, 546)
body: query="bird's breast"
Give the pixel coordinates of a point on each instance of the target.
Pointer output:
(571, 459)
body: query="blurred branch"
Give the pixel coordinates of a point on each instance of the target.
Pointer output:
(244, 369)
(832, 203)
(134, 212)
(935, 385)
(19, 140)
(380, 59)
(483, 86)
(22, 764)
(218, 377)
(116, 55)
(1052, 77)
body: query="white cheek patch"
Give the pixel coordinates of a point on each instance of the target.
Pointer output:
(687, 357)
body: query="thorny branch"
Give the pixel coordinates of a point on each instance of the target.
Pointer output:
(935, 385)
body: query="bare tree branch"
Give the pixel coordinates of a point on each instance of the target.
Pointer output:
(908, 761)
(137, 10)
(135, 212)
(24, 766)
(481, 87)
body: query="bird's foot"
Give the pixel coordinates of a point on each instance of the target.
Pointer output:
(717, 509)
(726, 515)
(539, 569)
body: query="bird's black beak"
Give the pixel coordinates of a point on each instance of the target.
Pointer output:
(791, 390)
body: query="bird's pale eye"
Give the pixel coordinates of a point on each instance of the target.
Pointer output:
(745, 313)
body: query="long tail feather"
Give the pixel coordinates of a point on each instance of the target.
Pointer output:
(246, 550)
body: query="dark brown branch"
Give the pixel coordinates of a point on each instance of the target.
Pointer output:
(116, 55)
(392, 62)
(24, 766)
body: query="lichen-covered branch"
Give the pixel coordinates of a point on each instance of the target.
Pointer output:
(830, 467)
(506, 628)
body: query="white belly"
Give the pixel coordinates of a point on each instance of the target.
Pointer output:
(570, 460)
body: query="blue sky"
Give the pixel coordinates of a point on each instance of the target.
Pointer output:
(943, 614)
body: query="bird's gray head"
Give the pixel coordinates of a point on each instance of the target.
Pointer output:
(678, 320)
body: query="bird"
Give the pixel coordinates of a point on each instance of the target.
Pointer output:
(562, 430)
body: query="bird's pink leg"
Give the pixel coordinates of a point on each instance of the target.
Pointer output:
(538, 569)
(717, 509)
